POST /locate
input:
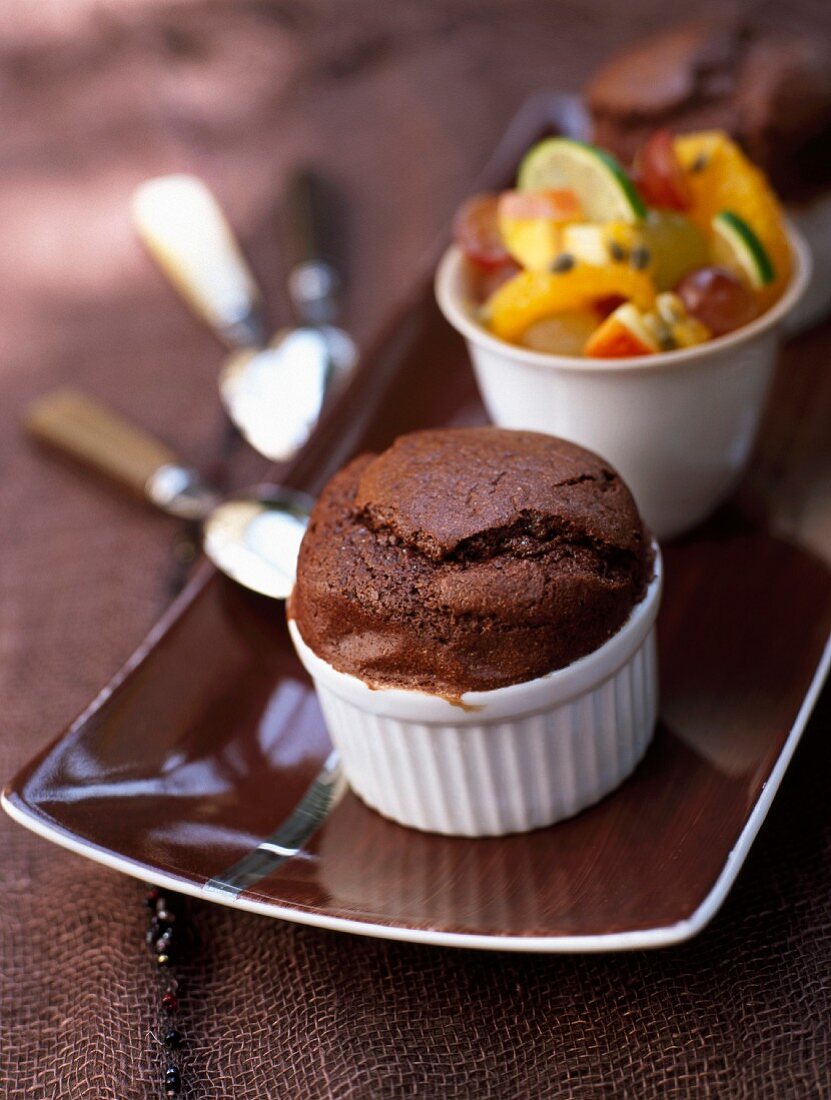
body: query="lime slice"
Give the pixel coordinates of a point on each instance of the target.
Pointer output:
(602, 187)
(736, 247)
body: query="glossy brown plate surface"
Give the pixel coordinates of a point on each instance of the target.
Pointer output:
(208, 739)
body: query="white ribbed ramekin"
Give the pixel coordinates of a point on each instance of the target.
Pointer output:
(502, 761)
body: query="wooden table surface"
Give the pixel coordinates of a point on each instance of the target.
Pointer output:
(401, 102)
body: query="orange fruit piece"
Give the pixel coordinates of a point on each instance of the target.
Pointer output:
(621, 335)
(720, 177)
(532, 295)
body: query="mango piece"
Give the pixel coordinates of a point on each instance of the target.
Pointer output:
(532, 295)
(530, 223)
(720, 177)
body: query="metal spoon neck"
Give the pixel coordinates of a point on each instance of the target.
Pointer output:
(180, 491)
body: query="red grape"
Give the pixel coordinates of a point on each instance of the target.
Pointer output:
(609, 304)
(476, 231)
(658, 174)
(489, 280)
(717, 298)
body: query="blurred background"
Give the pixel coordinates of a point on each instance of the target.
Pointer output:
(401, 101)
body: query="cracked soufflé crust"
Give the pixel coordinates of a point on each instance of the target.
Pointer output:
(468, 559)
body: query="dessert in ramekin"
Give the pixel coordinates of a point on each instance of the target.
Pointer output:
(476, 608)
(678, 426)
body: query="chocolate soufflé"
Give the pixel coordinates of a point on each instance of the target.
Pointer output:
(469, 559)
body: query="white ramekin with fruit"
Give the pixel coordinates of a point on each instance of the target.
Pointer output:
(638, 316)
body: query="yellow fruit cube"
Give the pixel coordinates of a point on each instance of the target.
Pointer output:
(530, 223)
(601, 244)
(533, 242)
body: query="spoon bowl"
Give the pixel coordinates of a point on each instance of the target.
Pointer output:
(254, 537)
(274, 396)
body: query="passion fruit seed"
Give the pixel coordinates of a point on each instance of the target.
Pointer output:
(700, 163)
(562, 263)
(617, 252)
(639, 257)
(661, 332)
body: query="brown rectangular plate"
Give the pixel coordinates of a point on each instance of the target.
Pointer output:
(197, 755)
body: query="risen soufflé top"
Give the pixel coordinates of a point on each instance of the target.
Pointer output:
(468, 559)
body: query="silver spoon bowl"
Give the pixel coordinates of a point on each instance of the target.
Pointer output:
(254, 537)
(274, 396)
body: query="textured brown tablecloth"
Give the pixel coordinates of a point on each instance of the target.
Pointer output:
(402, 101)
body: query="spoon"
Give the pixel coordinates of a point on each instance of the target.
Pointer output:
(272, 392)
(253, 536)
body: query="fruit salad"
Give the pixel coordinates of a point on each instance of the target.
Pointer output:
(585, 258)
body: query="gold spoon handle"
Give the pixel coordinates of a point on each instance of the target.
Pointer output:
(105, 442)
(184, 229)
